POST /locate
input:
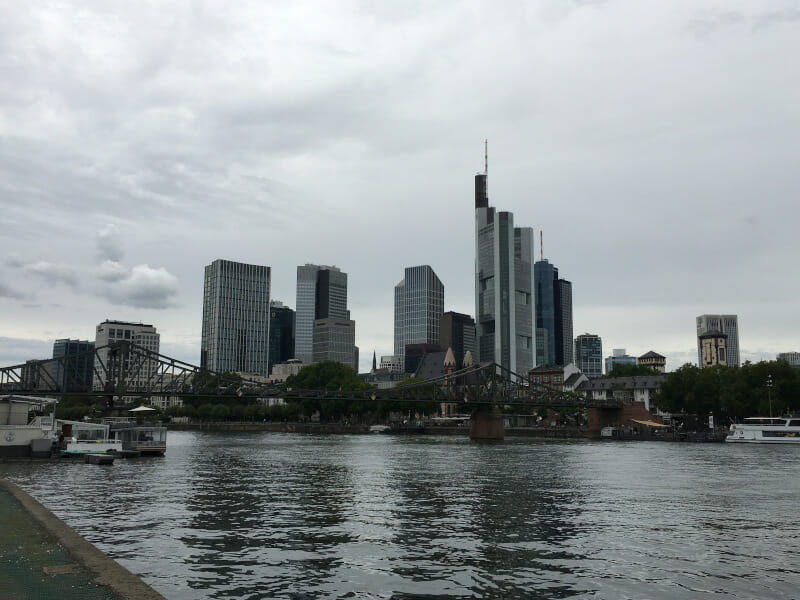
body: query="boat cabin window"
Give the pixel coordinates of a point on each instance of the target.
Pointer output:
(794, 423)
(765, 421)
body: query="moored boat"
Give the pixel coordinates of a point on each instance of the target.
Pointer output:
(141, 438)
(766, 430)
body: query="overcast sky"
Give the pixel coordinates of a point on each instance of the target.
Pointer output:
(656, 144)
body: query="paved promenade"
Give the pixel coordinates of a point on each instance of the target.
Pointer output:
(41, 557)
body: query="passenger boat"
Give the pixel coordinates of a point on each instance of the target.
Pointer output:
(144, 438)
(766, 430)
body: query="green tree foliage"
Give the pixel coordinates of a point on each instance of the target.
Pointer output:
(620, 370)
(735, 392)
(328, 375)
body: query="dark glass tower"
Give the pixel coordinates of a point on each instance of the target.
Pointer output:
(281, 334)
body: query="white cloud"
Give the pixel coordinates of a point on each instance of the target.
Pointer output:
(111, 271)
(144, 287)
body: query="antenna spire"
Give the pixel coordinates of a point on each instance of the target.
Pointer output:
(541, 246)
(486, 156)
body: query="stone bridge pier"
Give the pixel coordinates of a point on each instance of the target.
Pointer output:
(486, 424)
(621, 416)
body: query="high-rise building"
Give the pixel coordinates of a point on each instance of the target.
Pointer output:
(236, 315)
(141, 334)
(793, 358)
(418, 307)
(281, 333)
(335, 339)
(589, 354)
(321, 294)
(74, 372)
(505, 319)
(457, 331)
(542, 351)
(726, 324)
(619, 357)
(563, 332)
(554, 312)
(544, 276)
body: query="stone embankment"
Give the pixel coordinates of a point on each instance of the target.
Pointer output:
(42, 557)
(536, 432)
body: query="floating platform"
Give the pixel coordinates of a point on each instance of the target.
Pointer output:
(99, 459)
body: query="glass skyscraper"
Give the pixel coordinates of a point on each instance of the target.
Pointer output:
(236, 315)
(504, 303)
(554, 312)
(418, 307)
(589, 354)
(321, 294)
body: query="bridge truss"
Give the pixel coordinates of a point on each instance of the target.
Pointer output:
(125, 370)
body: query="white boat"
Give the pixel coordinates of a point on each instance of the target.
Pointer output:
(766, 430)
(20, 433)
(81, 437)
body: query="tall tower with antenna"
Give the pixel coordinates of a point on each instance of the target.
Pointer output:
(505, 317)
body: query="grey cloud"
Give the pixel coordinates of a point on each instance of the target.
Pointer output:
(144, 287)
(109, 244)
(8, 292)
(111, 271)
(51, 273)
(772, 18)
(15, 351)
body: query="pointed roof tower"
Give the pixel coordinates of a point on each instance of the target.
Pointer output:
(468, 362)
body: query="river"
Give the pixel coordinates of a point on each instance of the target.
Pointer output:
(273, 515)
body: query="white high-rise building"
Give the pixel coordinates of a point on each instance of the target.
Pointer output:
(236, 316)
(140, 334)
(418, 307)
(726, 324)
(505, 316)
(793, 358)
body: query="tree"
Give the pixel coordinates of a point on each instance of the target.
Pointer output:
(327, 374)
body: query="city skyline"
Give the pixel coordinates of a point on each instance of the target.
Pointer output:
(640, 168)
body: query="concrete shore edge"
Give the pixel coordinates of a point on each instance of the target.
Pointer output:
(105, 571)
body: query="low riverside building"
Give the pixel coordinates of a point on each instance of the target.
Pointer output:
(626, 389)
(556, 377)
(282, 371)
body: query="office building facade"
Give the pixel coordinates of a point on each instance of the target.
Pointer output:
(726, 324)
(505, 318)
(236, 316)
(793, 358)
(141, 334)
(554, 312)
(335, 339)
(457, 331)
(589, 354)
(321, 294)
(75, 369)
(619, 357)
(281, 334)
(418, 308)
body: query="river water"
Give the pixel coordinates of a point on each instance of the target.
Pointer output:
(270, 515)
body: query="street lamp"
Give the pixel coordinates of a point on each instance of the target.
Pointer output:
(769, 393)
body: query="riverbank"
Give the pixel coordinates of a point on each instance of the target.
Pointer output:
(340, 428)
(42, 557)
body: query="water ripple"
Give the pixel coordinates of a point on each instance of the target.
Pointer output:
(304, 516)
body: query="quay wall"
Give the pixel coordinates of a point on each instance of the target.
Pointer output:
(535, 432)
(104, 571)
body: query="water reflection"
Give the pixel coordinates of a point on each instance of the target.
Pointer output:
(265, 515)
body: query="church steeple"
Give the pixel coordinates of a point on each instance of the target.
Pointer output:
(374, 362)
